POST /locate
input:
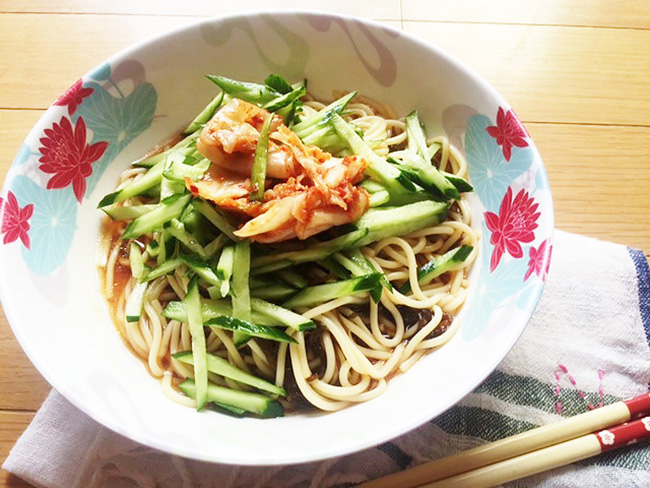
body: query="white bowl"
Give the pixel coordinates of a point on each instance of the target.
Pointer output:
(134, 100)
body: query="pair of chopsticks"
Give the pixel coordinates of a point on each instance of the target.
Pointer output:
(532, 452)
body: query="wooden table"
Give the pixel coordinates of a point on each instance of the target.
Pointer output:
(577, 73)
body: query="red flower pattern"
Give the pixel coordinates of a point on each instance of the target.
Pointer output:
(15, 221)
(508, 132)
(514, 225)
(537, 258)
(74, 96)
(66, 155)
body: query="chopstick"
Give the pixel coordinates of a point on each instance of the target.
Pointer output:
(548, 458)
(524, 454)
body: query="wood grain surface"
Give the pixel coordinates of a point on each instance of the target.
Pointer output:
(577, 73)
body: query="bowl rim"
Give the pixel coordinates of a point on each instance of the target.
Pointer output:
(12, 312)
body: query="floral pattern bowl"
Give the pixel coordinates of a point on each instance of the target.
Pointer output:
(129, 103)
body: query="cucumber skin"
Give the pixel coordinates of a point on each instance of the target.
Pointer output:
(285, 316)
(392, 221)
(375, 224)
(248, 328)
(322, 293)
(164, 212)
(251, 402)
(435, 268)
(223, 368)
(438, 266)
(210, 309)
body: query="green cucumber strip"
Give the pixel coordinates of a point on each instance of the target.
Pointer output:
(162, 238)
(119, 212)
(150, 161)
(249, 329)
(230, 410)
(214, 292)
(226, 262)
(222, 367)
(168, 209)
(314, 295)
(354, 267)
(269, 267)
(215, 246)
(292, 278)
(282, 315)
(195, 323)
(239, 281)
(442, 264)
(286, 99)
(211, 308)
(462, 185)
(396, 221)
(417, 143)
(439, 265)
(215, 217)
(356, 262)
(432, 150)
(379, 198)
(201, 268)
(239, 288)
(316, 252)
(378, 168)
(372, 186)
(241, 400)
(134, 304)
(311, 124)
(225, 267)
(334, 267)
(276, 292)
(258, 171)
(152, 178)
(205, 115)
(357, 256)
(170, 188)
(327, 140)
(139, 185)
(279, 83)
(152, 249)
(197, 225)
(177, 230)
(316, 130)
(188, 144)
(177, 170)
(249, 92)
(136, 260)
(416, 138)
(428, 176)
(257, 281)
(162, 269)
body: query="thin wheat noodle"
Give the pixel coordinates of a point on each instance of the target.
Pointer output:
(359, 344)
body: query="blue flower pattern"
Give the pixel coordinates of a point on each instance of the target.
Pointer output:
(116, 120)
(491, 176)
(52, 225)
(495, 290)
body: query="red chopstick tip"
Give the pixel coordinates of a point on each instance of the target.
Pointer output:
(624, 434)
(638, 406)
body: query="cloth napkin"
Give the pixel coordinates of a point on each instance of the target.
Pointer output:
(587, 344)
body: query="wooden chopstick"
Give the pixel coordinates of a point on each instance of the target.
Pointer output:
(549, 457)
(573, 428)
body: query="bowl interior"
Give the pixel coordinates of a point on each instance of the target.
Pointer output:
(142, 96)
